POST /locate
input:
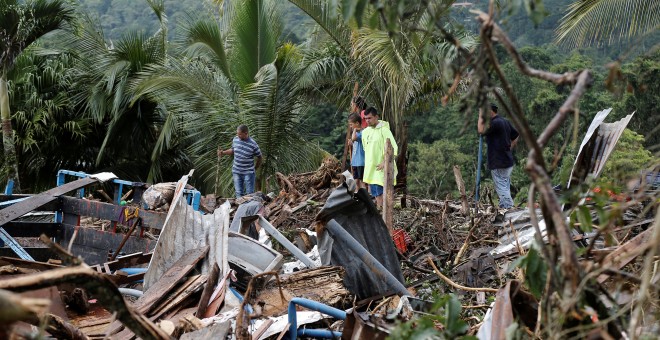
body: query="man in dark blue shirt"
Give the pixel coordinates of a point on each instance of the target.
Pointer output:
(501, 137)
(244, 149)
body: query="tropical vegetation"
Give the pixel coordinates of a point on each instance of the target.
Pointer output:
(149, 102)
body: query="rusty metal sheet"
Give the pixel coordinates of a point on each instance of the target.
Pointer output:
(185, 229)
(23, 207)
(597, 146)
(510, 301)
(358, 326)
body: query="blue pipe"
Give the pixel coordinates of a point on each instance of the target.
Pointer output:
(316, 306)
(248, 307)
(133, 271)
(319, 333)
(479, 161)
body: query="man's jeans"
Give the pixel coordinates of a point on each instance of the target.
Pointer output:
(502, 179)
(244, 184)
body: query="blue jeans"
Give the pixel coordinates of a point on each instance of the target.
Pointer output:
(244, 183)
(502, 179)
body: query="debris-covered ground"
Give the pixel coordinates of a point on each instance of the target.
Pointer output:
(332, 267)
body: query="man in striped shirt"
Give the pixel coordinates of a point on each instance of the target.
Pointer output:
(244, 149)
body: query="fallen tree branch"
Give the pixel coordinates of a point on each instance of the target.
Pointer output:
(99, 286)
(68, 259)
(14, 307)
(456, 285)
(61, 329)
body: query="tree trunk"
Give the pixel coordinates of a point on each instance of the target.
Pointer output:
(11, 162)
(388, 194)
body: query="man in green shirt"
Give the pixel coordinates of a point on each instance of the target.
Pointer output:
(373, 141)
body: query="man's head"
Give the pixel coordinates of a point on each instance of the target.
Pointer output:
(355, 121)
(493, 110)
(242, 132)
(371, 116)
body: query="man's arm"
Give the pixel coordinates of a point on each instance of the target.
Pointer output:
(259, 159)
(514, 142)
(481, 123)
(225, 152)
(395, 149)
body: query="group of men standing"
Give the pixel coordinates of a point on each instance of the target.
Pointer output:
(369, 136)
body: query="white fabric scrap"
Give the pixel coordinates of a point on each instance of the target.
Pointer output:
(103, 176)
(282, 322)
(295, 266)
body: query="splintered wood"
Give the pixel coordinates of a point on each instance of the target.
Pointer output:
(324, 284)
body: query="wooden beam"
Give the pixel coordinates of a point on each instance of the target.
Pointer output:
(212, 281)
(624, 254)
(388, 187)
(461, 188)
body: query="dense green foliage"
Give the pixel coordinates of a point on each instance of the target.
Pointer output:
(134, 75)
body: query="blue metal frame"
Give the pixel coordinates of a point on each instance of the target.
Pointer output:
(294, 332)
(9, 188)
(6, 238)
(193, 197)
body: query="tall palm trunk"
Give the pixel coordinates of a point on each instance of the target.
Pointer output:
(11, 162)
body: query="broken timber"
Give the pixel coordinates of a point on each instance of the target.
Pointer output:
(23, 207)
(99, 285)
(166, 283)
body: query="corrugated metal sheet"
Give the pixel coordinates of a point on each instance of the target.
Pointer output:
(595, 149)
(186, 229)
(597, 146)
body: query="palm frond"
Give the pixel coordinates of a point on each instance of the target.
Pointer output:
(204, 38)
(273, 110)
(599, 22)
(327, 17)
(256, 27)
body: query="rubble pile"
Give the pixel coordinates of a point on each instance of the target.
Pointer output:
(335, 269)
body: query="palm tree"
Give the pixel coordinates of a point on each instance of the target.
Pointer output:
(105, 74)
(604, 21)
(399, 71)
(49, 133)
(394, 69)
(234, 71)
(21, 24)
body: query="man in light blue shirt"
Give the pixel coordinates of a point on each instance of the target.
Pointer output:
(244, 149)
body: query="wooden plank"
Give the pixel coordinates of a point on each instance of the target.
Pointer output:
(461, 188)
(388, 187)
(183, 286)
(216, 331)
(208, 289)
(130, 260)
(262, 329)
(324, 284)
(195, 287)
(124, 279)
(40, 266)
(622, 255)
(167, 282)
(23, 207)
(170, 279)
